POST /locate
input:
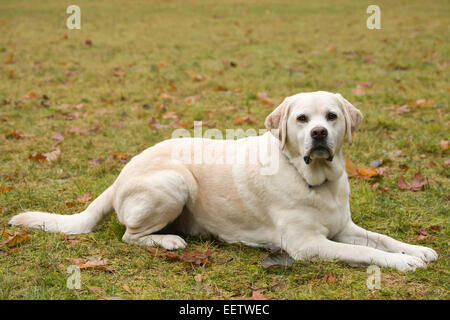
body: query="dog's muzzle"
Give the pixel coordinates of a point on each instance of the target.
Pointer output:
(319, 150)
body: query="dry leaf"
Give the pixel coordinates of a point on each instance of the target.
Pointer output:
(84, 198)
(52, 155)
(247, 118)
(353, 171)
(198, 278)
(418, 182)
(425, 103)
(402, 184)
(5, 188)
(126, 288)
(445, 144)
(15, 239)
(17, 134)
(94, 289)
(97, 161)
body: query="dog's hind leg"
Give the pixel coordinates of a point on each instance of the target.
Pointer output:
(150, 204)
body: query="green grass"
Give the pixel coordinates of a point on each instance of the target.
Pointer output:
(163, 42)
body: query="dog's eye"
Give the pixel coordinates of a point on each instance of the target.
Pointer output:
(302, 118)
(331, 116)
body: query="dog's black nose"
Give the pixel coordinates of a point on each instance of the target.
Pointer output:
(318, 133)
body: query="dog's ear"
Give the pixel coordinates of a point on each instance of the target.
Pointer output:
(277, 121)
(353, 116)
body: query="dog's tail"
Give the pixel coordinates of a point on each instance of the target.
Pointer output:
(82, 222)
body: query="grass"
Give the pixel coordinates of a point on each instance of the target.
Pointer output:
(281, 48)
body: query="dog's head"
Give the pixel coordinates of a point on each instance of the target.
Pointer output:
(313, 125)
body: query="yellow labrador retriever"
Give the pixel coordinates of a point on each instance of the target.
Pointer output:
(301, 207)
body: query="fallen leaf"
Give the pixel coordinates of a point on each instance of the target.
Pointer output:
(192, 98)
(37, 157)
(198, 277)
(425, 103)
(84, 198)
(418, 182)
(399, 109)
(197, 77)
(445, 144)
(403, 167)
(354, 171)
(247, 118)
(156, 125)
(96, 161)
(17, 134)
(15, 239)
(126, 288)
(118, 156)
(329, 278)
(256, 295)
(402, 184)
(52, 155)
(94, 289)
(6, 188)
(88, 42)
(30, 95)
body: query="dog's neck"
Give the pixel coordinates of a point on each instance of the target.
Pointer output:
(319, 171)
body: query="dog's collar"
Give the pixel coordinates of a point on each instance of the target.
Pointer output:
(317, 185)
(310, 186)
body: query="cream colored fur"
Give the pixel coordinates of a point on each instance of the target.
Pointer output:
(236, 203)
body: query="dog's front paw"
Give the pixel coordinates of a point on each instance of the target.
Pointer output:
(424, 253)
(404, 262)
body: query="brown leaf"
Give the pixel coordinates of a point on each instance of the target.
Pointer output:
(118, 156)
(88, 42)
(94, 289)
(127, 288)
(17, 134)
(256, 295)
(30, 95)
(15, 239)
(248, 118)
(354, 171)
(399, 109)
(197, 77)
(329, 278)
(358, 92)
(425, 103)
(403, 167)
(364, 84)
(37, 157)
(418, 182)
(197, 257)
(6, 188)
(97, 161)
(52, 155)
(58, 137)
(156, 125)
(192, 98)
(198, 277)
(351, 168)
(422, 237)
(402, 184)
(369, 172)
(445, 144)
(84, 198)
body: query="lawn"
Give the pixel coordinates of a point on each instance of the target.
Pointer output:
(115, 87)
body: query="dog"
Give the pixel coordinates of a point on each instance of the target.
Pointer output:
(303, 208)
